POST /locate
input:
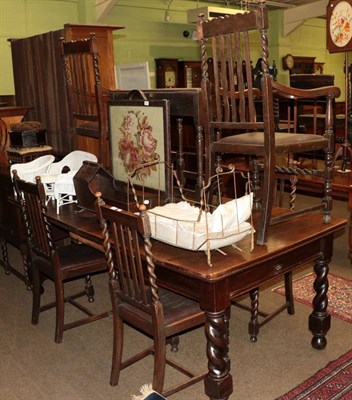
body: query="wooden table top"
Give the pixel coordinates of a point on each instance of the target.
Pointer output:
(307, 229)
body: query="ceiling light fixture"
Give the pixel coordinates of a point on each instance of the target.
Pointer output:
(167, 16)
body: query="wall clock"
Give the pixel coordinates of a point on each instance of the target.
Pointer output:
(166, 72)
(339, 25)
(170, 77)
(288, 62)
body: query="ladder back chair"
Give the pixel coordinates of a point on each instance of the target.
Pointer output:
(87, 97)
(58, 263)
(136, 297)
(231, 124)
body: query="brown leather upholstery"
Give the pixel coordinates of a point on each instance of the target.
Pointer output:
(136, 297)
(60, 264)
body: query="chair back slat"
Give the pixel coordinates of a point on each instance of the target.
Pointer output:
(232, 97)
(127, 246)
(129, 266)
(31, 197)
(87, 97)
(249, 78)
(81, 80)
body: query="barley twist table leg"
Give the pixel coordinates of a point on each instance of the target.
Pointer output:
(218, 382)
(349, 208)
(5, 256)
(319, 320)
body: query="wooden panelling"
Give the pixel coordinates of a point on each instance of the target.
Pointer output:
(40, 82)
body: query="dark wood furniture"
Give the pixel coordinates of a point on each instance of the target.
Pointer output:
(227, 112)
(92, 178)
(230, 276)
(8, 116)
(311, 81)
(40, 56)
(60, 264)
(136, 298)
(167, 75)
(189, 74)
(302, 65)
(341, 190)
(172, 73)
(11, 229)
(105, 47)
(26, 155)
(309, 115)
(86, 96)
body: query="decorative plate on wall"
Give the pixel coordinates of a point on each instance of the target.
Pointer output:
(339, 25)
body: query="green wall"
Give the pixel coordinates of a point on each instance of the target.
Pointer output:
(23, 18)
(307, 40)
(148, 36)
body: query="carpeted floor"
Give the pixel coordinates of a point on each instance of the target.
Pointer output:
(339, 294)
(334, 382)
(33, 367)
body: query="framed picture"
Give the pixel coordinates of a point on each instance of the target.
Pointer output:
(140, 134)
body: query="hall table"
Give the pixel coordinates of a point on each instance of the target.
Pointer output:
(188, 273)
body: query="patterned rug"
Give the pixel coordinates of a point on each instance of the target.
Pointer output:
(334, 382)
(339, 294)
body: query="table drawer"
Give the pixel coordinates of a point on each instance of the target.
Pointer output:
(271, 269)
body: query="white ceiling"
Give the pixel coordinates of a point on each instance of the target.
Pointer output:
(295, 11)
(283, 4)
(296, 2)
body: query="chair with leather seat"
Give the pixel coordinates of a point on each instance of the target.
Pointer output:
(57, 263)
(231, 125)
(87, 97)
(137, 299)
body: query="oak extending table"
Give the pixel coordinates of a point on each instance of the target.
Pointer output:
(188, 273)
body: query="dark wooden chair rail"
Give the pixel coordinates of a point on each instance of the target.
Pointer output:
(236, 113)
(57, 263)
(137, 299)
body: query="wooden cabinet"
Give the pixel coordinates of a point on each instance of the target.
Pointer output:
(104, 40)
(40, 83)
(190, 74)
(172, 73)
(303, 65)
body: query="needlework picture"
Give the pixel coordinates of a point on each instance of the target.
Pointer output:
(139, 134)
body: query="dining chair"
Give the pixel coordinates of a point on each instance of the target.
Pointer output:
(57, 263)
(87, 97)
(231, 123)
(136, 298)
